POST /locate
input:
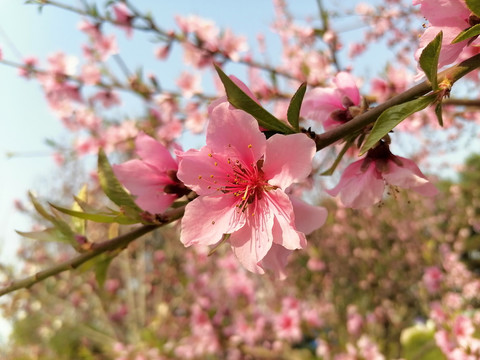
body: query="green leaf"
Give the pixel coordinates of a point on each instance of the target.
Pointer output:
(63, 228)
(467, 34)
(242, 101)
(474, 6)
(392, 117)
(293, 112)
(429, 59)
(112, 187)
(100, 217)
(49, 234)
(438, 112)
(101, 269)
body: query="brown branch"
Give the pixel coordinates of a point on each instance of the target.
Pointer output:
(462, 102)
(96, 249)
(359, 122)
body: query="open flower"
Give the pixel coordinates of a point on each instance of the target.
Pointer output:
(241, 178)
(452, 17)
(335, 105)
(123, 16)
(363, 182)
(153, 178)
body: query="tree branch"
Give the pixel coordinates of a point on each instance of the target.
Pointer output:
(96, 249)
(171, 36)
(359, 122)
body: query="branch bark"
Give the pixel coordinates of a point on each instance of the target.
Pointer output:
(359, 122)
(96, 249)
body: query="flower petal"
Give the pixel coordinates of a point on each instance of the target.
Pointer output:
(307, 217)
(146, 183)
(346, 83)
(235, 131)
(359, 188)
(288, 159)
(202, 171)
(319, 103)
(409, 176)
(276, 260)
(252, 242)
(207, 218)
(284, 230)
(154, 153)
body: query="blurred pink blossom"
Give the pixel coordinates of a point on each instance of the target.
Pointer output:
(123, 17)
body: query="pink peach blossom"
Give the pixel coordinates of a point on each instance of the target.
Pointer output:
(91, 74)
(332, 106)
(452, 17)
(123, 16)
(432, 279)
(189, 84)
(241, 178)
(363, 182)
(149, 177)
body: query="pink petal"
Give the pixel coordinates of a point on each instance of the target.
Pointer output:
(154, 153)
(449, 52)
(276, 260)
(409, 176)
(346, 83)
(236, 132)
(319, 103)
(251, 243)
(307, 217)
(207, 218)
(284, 230)
(288, 159)
(197, 170)
(146, 183)
(443, 12)
(359, 189)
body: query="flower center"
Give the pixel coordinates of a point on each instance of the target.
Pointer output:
(247, 183)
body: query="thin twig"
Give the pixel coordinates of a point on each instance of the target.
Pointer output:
(171, 36)
(100, 84)
(96, 249)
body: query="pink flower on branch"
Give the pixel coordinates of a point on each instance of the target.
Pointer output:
(452, 17)
(241, 178)
(363, 182)
(153, 178)
(335, 105)
(123, 17)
